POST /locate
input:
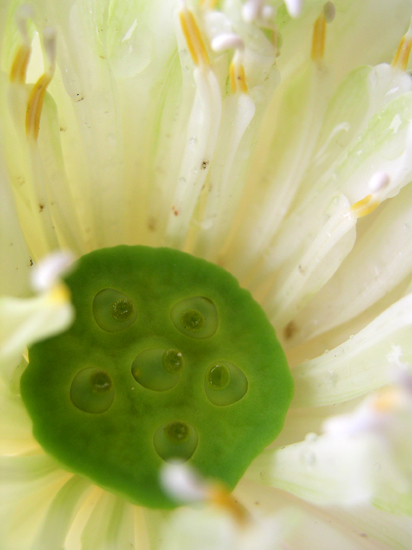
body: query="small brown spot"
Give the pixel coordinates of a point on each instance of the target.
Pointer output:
(364, 535)
(41, 207)
(290, 330)
(151, 223)
(257, 503)
(205, 164)
(301, 269)
(174, 210)
(31, 262)
(79, 97)
(102, 57)
(62, 129)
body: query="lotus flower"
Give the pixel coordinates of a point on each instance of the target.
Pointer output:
(273, 139)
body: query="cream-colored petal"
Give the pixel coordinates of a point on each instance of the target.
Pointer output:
(60, 514)
(25, 321)
(380, 260)
(321, 469)
(360, 365)
(110, 526)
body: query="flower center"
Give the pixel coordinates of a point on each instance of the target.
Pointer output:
(167, 359)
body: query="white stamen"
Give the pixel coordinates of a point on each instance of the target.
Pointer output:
(182, 484)
(251, 10)
(49, 37)
(378, 182)
(294, 7)
(257, 11)
(48, 271)
(227, 41)
(329, 12)
(268, 12)
(24, 13)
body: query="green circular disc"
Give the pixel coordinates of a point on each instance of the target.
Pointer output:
(168, 358)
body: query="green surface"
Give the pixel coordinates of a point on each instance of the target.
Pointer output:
(137, 380)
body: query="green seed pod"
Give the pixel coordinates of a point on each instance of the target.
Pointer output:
(168, 358)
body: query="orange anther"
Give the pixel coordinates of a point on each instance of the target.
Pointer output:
(20, 63)
(193, 37)
(318, 38)
(35, 105)
(402, 53)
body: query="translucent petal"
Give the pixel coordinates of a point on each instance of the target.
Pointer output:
(322, 470)
(380, 260)
(360, 365)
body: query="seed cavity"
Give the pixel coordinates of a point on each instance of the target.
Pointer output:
(195, 317)
(113, 311)
(176, 440)
(172, 361)
(225, 384)
(92, 390)
(158, 369)
(192, 320)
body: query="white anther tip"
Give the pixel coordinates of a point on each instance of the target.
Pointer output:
(227, 41)
(24, 13)
(329, 12)
(268, 12)
(46, 274)
(250, 10)
(294, 7)
(181, 483)
(49, 38)
(378, 182)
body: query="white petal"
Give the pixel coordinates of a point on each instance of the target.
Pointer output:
(25, 321)
(360, 365)
(322, 470)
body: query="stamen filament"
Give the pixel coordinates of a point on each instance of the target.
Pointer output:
(193, 37)
(36, 99)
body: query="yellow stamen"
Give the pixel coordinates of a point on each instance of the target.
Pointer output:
(232, 77)
(237, 78)
(20, 64)
(318, 38)
(60, 294)
(365, 206)
(193, 38)
(223, 499)
(402, 54)
(35, 104)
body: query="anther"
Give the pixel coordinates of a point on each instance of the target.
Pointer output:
(400, 61)
(19, 68)
(318, 38)
(36, 99)
(193, 37)
(377, 184)
(229, 41)
(221, 498)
